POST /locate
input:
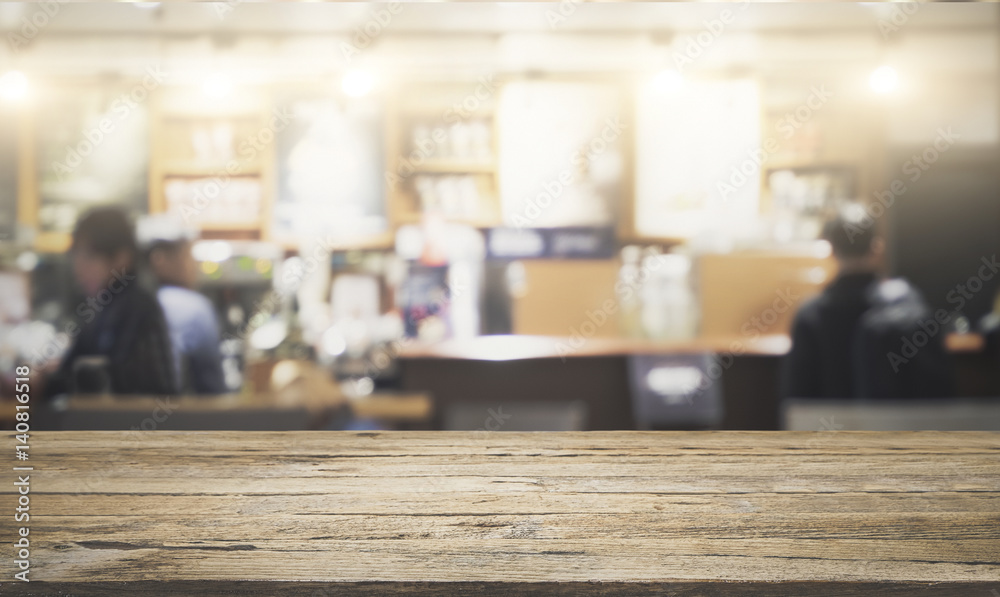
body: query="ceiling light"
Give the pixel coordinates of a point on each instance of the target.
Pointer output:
(13, 86)
(667, 80)
(217, 87)
(884, 79)
(357, 83)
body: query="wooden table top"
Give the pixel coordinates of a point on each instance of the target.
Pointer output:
(402, 407)
(504, 513)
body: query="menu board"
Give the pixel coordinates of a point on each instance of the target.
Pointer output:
(330, 170)
(560, 153)
(696, 170)
(93, 148)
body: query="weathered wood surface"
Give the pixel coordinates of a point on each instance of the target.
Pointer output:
(432, 513)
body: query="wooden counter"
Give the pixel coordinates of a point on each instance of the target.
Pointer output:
(502, 370)
(514, 347)
(432, 513)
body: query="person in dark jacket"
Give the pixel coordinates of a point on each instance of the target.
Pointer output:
(856, 339)
(121, 344)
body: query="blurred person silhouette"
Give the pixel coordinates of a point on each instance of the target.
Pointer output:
(121, 345)
(191, 319)
(865, 337)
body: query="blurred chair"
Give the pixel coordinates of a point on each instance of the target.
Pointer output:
(947, 414)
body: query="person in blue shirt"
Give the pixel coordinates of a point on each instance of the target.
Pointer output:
(191, 320)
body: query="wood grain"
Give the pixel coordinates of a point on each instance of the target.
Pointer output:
(454, 513)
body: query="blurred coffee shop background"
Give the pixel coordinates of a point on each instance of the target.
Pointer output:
(501, 216)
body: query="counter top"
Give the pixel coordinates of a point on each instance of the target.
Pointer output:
(503, 513)
(513, 347)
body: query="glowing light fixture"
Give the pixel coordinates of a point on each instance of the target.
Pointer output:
(217, 87)
(884, 79)
(215, 251)
(357, 83)
(13, 86)
(333, 342)
(667, 80)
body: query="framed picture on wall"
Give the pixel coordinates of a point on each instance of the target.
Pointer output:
(695, 164)
(561, 153)
(330, 170)
(92, 148)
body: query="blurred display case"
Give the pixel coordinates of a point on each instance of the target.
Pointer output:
(696, 169)
(562, 152)
(441, 152)
(212, 161)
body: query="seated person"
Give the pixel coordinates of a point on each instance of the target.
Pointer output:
(121, 331)
(194, 330)
(850, 341)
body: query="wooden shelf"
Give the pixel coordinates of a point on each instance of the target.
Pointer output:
(370, 242)
(411, 217)
(455, 167)
(253, 226)
(427, 104)
(193, 170)
(53, 242)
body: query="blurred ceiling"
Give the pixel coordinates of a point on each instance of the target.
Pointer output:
(485, 18)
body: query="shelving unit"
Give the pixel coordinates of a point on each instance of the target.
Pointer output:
(212, 162)
(442, 154)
